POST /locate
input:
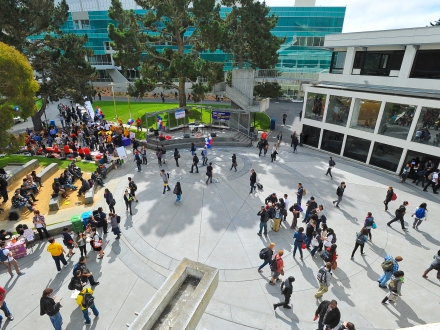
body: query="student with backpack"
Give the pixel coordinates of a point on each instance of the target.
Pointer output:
(178, 192)
(420, 213)
(128, 198)
(331, 164)
(9, 261)
(434, 265)
(264, 218)
(400, 212)
(75, 282)
(369, 223)
(299, 237)
(85, 300)
(165, 177)
(395, 287)
(86, 274)
(389, 197)
(266, 254)
(133, 187)
(277, 267)
(361, 239)
(195, 161)
(286, 290)
(324, 276)
(389, 266)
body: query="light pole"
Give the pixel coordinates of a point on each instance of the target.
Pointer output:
(128, 98)
(114, 101)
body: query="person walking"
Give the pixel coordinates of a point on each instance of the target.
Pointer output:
(432, 180)
(115, 224)
(204, 156)
(57, 251)
(274, 153)
(234, 163)
(286, 207)
(128, 198)
(178, 191)
(164, 154)
(133, 188)
(299, 237)
(329, 315)
(420, 213)
(316, 241)
(395, 287)
(86, 274)
(286, 291)
(144, 155)
(253, 180)
(277, 267)
(195, 161)
(339, 193)
(434, 265)
(295, 142)
(310, 229)
(68, 241)
(324, 276)
(109, 200)
(299, 193)
(284, 118)
(138, 160)
(311, 205)
(331, 164)
(388, 197)
(260, 146)
(176, 156)
(85, 300)
(266, 254)
(193, 149)
(8, 260)
(279, 138)
(159, 156)
(361, 239)
(51, 308)
(264, 218)
(209, 173)
(40, 224)
(4, 306)
(389, 266)
(368, 224)
(165, 178)
(81, 242)
(400, 212)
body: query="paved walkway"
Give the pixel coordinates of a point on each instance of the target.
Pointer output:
(217, 224)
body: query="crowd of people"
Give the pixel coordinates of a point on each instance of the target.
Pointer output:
(417, 171)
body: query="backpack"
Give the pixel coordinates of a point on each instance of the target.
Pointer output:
(263, 253)
(420, 213)
(196, 159)
(304, 192)
(392, 285)
(332, 163)
(71, 285)
(88, 300)
(201, 153)
(274, 264)
(3, 257)
(388, 265)
(322, 275)
(334, 238)
(133, 186)
(394, 197)
(360, 239)
(75, 267)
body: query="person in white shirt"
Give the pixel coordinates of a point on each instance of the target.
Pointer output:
(10, 261)
(433, 182)
(286, 208)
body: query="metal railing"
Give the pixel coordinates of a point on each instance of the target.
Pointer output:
(267, 73)
(236, 96)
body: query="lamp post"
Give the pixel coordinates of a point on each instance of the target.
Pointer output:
(128, 98)
(114, 101)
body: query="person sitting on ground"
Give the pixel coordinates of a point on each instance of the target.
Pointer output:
(19, 201)
(85, 185)
(3, 234)
(97, 178)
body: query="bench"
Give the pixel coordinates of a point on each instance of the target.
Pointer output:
(14, 210)
(89, 194)
(54, 203)
(48, 171)
(22, 171)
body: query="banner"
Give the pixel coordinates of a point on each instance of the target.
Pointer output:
(180, 114)
(217, 115)
(89, 109)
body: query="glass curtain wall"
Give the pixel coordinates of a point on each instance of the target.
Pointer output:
(332, 141)
(315, 106)
(310, 136)
(365, 114)
(386, 156)
(338, 109)
(357, 148)
(396, 120)
(428, 127)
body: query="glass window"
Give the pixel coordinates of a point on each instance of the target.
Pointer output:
(396, 61)
(337, 63)
(357, 148)
(315, 106)
(386, 156)
(427, 128)
(332, 141)
(426, 64)
(310, 135)
(338, 109)
(396, 120)
(359, 60)
(365, 114)
(418, 157)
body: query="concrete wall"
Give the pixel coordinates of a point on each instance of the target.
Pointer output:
(20, 172)
(243, 80)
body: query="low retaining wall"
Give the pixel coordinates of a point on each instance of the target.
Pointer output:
(48, 171)
(23, 170)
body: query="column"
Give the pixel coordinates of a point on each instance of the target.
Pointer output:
(349, 59)
(407, 62)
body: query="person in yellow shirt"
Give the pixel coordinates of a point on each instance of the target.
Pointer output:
(57, 251)
(83, 300)
(119, 122)
(126, 132)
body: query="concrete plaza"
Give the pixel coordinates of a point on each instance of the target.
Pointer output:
(217, 224)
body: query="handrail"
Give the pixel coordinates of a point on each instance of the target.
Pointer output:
(236, 96)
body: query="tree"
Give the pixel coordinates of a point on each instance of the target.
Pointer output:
(266, 89)
(140, 88)
(183, 28)
(17, 89)
(247, 34)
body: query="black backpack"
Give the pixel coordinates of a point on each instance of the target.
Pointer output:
(334, 238)
(263, 253)
(274, 264)
(196, 159)
(88, 300)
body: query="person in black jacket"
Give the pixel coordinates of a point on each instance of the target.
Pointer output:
(388, 197)
(286, 290)
(264, 218)
(234, 162)
(253, 179)
(268, 255)
(75, 282)
(52, 309)
(329, 315)
(272, 198)
(194, 163)
(347, 326)
(340, 193)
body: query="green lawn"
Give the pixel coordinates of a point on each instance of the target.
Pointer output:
(62, 164)
(138, 109)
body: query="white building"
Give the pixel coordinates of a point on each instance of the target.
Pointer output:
(380, 103)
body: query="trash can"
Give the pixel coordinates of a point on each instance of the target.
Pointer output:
(77, 223)
(272, 124)
(52, 123)
(85, 217)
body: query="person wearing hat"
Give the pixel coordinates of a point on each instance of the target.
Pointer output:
(138, 160)
(400, 212)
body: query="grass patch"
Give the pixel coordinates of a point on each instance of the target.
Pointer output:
(62, 164)
(262, 121)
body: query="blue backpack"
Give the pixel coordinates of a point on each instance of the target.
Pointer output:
(420, 213)
(75, 267)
